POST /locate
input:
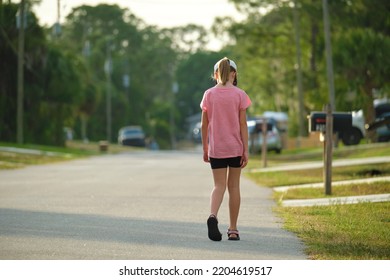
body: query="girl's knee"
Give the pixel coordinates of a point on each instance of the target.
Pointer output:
(233, 188)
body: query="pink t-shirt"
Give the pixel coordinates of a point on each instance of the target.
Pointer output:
(223, 105)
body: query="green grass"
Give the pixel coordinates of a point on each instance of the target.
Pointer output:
(296, 177)
(50, 154)
(9, 160)
(336, 232)
(349, 232)
(316, 154)
(70, 148)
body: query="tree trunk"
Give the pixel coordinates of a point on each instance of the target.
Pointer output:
(313, 42)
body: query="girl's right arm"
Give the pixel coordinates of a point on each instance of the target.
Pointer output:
(205, 137)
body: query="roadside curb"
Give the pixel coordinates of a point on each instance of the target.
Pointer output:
(336, 200)
(337, 183)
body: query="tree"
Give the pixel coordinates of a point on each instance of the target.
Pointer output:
(194, 76)
(43, 85)
(143, 53)
(187, 39)
(59, 95)
(267, 65)
(362, 56)
(8, 69)
(263, 40)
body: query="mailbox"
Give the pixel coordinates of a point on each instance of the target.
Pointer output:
(259, 126)
(341, 121)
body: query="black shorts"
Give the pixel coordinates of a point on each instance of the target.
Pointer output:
(225, 162)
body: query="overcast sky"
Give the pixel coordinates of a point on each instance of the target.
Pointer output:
(163, 13)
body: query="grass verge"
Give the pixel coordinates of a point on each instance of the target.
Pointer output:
(316, 154)
(296, 177)
(349, 232)
(336, 232)
(48, 154)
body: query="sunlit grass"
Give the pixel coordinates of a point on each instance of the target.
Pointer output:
(296, 177)
(348, 232)
(316, 154)
(10, 160)
(356, 231)
(50, 154)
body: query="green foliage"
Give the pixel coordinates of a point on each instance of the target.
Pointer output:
(144, 54)
(8, 70)
(194, 76)
(65, 80)
(265, 47)
(362, 58)
(48, 95)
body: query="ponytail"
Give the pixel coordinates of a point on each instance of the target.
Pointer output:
(224, 70)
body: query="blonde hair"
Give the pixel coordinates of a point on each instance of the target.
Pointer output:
(224, 70)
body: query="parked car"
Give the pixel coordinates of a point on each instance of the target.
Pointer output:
(382, 111)
(197, 133)
(131, 136)
(382, 120)
(358, 130)
(274, 140)
(383, 130)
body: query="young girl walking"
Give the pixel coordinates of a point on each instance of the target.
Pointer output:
(225, 143)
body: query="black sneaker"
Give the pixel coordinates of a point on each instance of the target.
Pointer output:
(213, 231)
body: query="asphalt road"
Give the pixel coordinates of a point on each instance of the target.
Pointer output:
(138, 205)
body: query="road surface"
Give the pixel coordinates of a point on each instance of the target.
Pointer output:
(136, 205)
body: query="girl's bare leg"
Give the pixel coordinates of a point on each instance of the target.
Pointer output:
(233, 184)
(219, 189)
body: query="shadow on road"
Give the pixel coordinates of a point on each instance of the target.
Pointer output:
(135, 236)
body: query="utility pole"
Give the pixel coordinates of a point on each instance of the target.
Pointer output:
(299, 73)
(328, 50)
(175, 90)
(58, 11)
(86, 53)
(57, 25)
(328, 150)
(331, 107)
(108, 69)
(20, 86)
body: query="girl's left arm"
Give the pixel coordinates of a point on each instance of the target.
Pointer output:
(205, 136)
(244, 137)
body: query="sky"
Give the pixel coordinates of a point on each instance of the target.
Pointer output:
(163, 13)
